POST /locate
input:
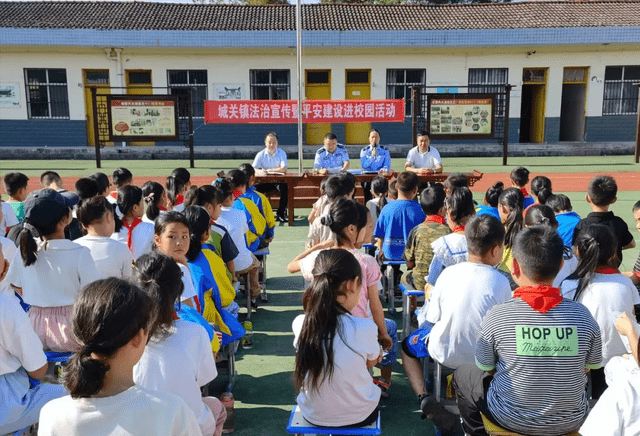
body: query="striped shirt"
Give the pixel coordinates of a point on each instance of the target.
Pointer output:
(540, 361)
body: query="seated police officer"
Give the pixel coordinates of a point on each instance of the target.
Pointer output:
(374, 157)
(332, 157)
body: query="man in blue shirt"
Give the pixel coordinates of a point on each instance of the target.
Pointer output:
(374, 157)
(332, 157)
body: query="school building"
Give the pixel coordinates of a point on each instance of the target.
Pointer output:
(573, 64)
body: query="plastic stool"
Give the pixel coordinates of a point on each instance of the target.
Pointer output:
(297, 424)
(496, 430)
(408, 291)
(391, 283)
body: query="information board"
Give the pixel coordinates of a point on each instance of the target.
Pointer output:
(461, 116)
(143, 117)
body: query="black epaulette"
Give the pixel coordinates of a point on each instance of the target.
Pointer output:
(341, 146)
(383, 147)
(320, 150)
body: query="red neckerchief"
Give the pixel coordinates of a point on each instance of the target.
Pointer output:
(524, 192)
(237, 193)
(457, 229)
(607, 270)
(161, 207)
(114, 194)
(541, 298)
(212, 222)
(636, 273)
(130, 228)
(174, 316)
(179, 200)
(435, 219)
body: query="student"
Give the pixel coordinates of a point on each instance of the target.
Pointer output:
(273, 160)
(418, 252)
(566, 217)
(379, 191)
(155, 199)
(600, 287)
(184, 175)
(256, 222)
(451, 249)
(618, 410)
(260, 201)
(541, 189)
(178, 358)
(103, 183)
(49, 270)
(634, 275)
(51, 179)
(393, 190)
(15, 185)
(112, 258)
(510, 207)
(7, 252)
(542, 215)
(455, 180)
(601, 194)
(532, 351)
(121, 177)
(21, 359)
(490, 206)
(86, 188)
(176, 188)
(111, 320)
(341, 185)
(8, 218)
(131, 230)
(319, 204)
(352, 224)
(334, 349)
(463, 294)
(171, 237)
(519, 179)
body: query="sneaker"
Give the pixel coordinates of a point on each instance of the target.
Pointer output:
(384, 386)
(282, 219)
(264, 297)
(254, 304)
(247, 339)
(443, 419)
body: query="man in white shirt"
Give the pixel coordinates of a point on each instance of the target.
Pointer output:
(423, 159)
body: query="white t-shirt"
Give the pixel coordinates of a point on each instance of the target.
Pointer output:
(19, 344)
(350, 396)
(141, 240)
(463, 294)
(134, 412)
(568, 267)
(112, 258)
(54, 280)
(189, 290)
(8, 251)
(605, 297)
(145, 218)
(235, 222)
(318, 231)
(9, 218)
(181, 364)
(178, 208)
(429, 160)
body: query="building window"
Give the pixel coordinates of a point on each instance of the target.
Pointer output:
(400, 82)
(620, 95)
(47, 95)
(181, 82)
(270, 84)
(489, 81)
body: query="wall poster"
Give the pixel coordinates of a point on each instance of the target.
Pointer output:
(10, 95)
(143, 117)
(461, 116)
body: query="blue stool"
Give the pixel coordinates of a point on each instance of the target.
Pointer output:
(57, 359)
(262, 254)
(391, 282)
(407, 292)
(297, 424)
(22, 432)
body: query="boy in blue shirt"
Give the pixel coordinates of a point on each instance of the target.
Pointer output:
(566, 217)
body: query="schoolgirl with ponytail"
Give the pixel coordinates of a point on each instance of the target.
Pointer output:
(379, 190)
(510, 207)
(50, 270)
(131, 230)
(335, 348)
(111, 322)
(541, 189)
(155, 200)
(178, 358)
(598, 284)
(175, 192)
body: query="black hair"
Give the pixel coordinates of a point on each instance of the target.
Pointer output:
(224, 186)
(540, 214)
(314, 354)
(424, 133)
(380, 186)
(174, 185)
(237, 178)
(128, 196)
(13, 182)
(349, 179)
(597, 245)
(201, 196)
(460, 204)
(483, 233)
(513, 200)
(323, 184)
(407, 181)
(493, 193)
(26, 239)
(375, 130)
(338, 185)
(274, 134)
(161, 278)
(199, 222)
(636, 206)
(93, 209)
(102, 180)
(121, 176)
(602, 190)
(342, 213)
(541, 188)
(248, 170)
(330, 136)
(152, 193)
(107, 314)
(432, 199)
(172, 217)
(50, 177)
(539, 251)
(520, 176)
(183, 174)
(393, 189)
(559, 203)
(86, 188)
(456, 180)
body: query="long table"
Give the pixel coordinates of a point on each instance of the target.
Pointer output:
(294, 179)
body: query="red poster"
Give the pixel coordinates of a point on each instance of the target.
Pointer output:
(313, 111)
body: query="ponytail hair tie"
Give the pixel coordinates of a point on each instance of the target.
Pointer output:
(31, 228)
(328, 220)
(149, 197)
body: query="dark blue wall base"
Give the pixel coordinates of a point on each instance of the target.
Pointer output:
(611, 128)
(43, 133)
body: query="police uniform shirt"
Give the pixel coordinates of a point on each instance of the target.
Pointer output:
(382, 159)
(331, 161)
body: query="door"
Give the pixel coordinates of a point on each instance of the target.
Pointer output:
(139, 83)
(532, 112)
(317, 87)
(574, 101)
(357, 87)
(100, 80)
